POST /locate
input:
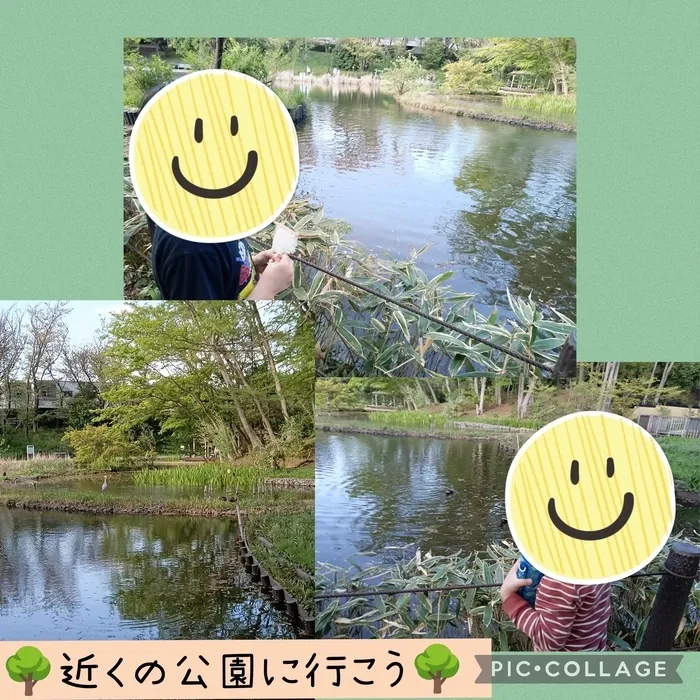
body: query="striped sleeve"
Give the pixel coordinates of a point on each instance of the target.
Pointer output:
(549, 624)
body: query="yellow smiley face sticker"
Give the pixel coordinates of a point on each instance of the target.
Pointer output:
(214, 156)
(590, 498)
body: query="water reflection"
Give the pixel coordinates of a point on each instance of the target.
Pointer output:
(498, 202)
(71, 576)
(393, 491)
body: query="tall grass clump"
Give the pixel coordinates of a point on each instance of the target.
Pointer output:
(218, 476)
(291, 98)
(542, 105)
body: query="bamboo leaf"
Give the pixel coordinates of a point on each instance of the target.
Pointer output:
(401, 320)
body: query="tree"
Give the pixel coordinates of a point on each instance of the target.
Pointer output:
(12, 342)
(403, 74)
(434, 53)
(664, 378)
(468, 77)
(46, 338)
(28, 666)
(437, 663)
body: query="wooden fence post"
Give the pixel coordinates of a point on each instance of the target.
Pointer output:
(680, 568)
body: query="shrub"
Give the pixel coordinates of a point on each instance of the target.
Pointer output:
(469, 77)
(246, 58)
(108, 447)
(403, 75)
(355, 55)
(142, 74)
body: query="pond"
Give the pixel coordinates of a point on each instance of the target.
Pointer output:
(392, 493)
(73, 576)
(497, 202)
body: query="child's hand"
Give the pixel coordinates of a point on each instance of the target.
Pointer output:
(261, 259)
(275, 278)
(512, 584)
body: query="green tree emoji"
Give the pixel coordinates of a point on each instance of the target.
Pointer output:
(437, 663)
(28, 666)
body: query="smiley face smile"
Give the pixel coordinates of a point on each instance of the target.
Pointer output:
(592, 535)
(220, 193)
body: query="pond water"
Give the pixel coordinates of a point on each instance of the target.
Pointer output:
(497, 202)
(392, 492)
(73, 576)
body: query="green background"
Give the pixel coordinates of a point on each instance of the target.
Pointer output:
(638, 143)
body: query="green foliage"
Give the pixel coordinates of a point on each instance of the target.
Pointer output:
(218, 476)
(684, 457)
(198, 53)
(474, 612)
(434, 53)
(552, 58)
(467, 77)
(246, 58)
(110, 447)
(686, 375)
(141, 74)
(29, 666)
(82, 409)
(291, 98)
(403, 75)
(359, 333)
(292, 537)
(355, 55)
(45, 441)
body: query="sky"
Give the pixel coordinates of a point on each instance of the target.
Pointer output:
(84, 319)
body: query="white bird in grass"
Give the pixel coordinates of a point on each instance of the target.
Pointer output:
(104, 486)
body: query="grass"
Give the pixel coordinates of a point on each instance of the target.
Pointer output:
(72, 499)
(447, 432)
(37, 468)
(533, 111)
(219, 476)
(292, 535)
(684, 457)
(543, 106)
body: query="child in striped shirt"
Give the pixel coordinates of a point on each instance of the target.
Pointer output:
(566, 616)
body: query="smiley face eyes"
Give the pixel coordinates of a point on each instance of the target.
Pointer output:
(610, 468)
(574, 474)
(199, 129)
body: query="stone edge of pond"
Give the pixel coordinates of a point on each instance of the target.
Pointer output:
(493, 436)
(291, 482)
(68, 505)
(441, 106)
